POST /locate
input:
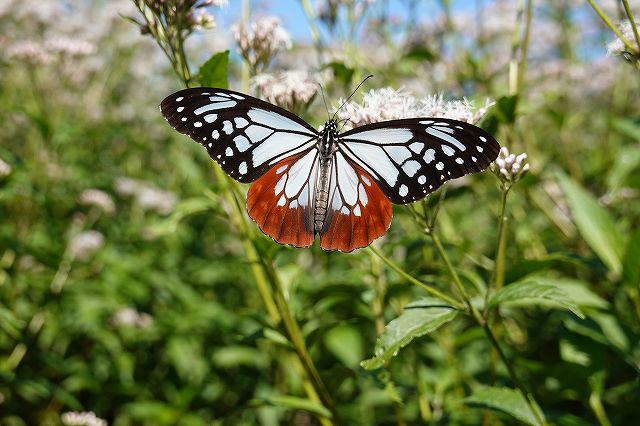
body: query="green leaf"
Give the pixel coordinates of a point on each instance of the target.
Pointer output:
(420, 53)
(293, 402)
(503, 112)
(213, 73)
(342, 72)
(532, 291)
(418, 318)
(345, 342)
(627, 127)
(505, 400)
(631, 265)
(594, 224)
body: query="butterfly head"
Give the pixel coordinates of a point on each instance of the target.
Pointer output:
(328, 138)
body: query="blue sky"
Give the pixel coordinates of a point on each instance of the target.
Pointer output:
(295, 21)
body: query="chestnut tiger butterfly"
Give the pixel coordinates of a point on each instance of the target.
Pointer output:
(337, 185)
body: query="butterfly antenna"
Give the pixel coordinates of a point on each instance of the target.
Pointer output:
(352, 93)
(324, 100)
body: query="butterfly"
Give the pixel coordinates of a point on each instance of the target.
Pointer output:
(337, 185)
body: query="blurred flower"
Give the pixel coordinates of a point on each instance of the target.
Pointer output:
(617, 47)
(288, 89)
(84, 418)
(85, 244)
(70, 46)
(259, 43)
(390, 104)
(129, 317)
(5, 169)
(510, 168)
(97, 198)
(29, 51)
(185, 16)
(146, 195)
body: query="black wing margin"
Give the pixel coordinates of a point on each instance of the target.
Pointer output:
(411, 158)
(245, 135)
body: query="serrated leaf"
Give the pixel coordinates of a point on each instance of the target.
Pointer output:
(294, 403)
(594, 224)
(505, 400)
(531, 292)
(418, 318)
(213, 73)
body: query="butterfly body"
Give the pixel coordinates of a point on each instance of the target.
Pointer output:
(338, 186)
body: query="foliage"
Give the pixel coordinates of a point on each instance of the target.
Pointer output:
(133, 285)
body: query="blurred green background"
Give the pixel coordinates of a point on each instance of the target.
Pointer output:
(125, 288)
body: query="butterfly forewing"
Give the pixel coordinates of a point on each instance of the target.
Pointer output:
(245, 135)
(411, 158)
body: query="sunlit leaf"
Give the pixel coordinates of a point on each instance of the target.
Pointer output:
(213, 73)
(531, 292)
(595, 224)
(418, 318)
(505, 400)
(346, 343)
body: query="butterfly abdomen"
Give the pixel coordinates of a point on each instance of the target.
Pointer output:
(321, 198)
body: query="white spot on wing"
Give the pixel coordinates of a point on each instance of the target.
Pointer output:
(479, 148)
(444, 129)
(344, 210)
(398, 153)
(429, 155)
(347, 180)
(227, 127)
(299, 174)
(197, 124)
(448, 138)
(403, 190)
(215, 134)
(275, 121)
(376, 156)
(280, 185)
(422, 179)
(180, 109)
(426, 122)
(448, 150)
(281, 169)
(440, 165)
(282, 201)
(242, 143)
(243, 168)
(214, 106)
(483, 139)
(459, 160)
(179, 98)
(356, 211)
(383, 136)
(240, 122)
(228, 152)
(234, 95)
(416, 147)
(210, 118)
(362, 195)
(277, 144)
(411, 167)
(257, 133)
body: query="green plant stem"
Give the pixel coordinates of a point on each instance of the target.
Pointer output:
(435, 292)
(489, 333)
(524, 46)
(609, 24)
(627, 10)
(503, 221)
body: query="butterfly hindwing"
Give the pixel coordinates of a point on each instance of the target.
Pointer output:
(245, 135)
(281, 201)
(411, 158)
(357, 210)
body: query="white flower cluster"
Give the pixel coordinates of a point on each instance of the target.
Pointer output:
(85, 243)
(84, 418)
(617, 47)
(287, 89)
(97, 198)
(36, 52)
(390, 104)
(149, 197)
(131, 318)
(259, 43)
(510, 168)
